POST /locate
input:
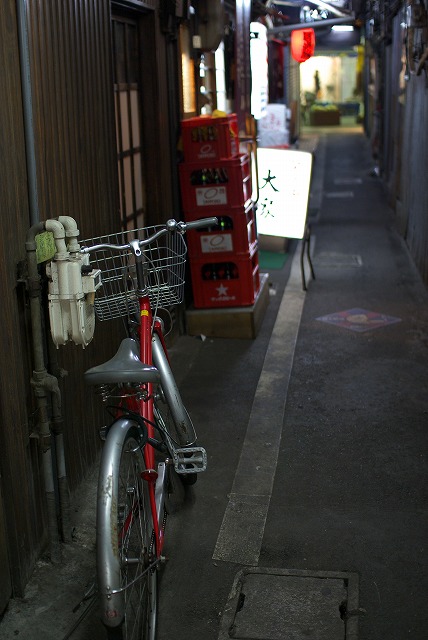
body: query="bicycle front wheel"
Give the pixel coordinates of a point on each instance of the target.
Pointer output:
(127, 576)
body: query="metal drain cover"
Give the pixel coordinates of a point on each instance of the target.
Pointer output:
(282, 604)
(337, 260)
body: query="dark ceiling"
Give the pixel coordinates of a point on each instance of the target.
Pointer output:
(287, 12)
(283, 16)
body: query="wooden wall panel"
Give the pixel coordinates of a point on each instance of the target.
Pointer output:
(73, 111)
(76, 171)
(76, 175)
(414, 164)
(24, 527)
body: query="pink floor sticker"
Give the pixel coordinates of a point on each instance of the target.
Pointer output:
(359, 320)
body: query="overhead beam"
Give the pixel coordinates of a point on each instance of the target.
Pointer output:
(319, 3)
(319, 24)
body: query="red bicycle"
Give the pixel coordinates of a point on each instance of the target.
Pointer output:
(151, 443)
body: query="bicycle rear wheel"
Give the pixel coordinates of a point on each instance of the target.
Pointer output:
(125, 545)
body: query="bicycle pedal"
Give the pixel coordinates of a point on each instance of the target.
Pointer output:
(190, 460)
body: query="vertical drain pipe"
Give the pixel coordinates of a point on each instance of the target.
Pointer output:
(27, 103)
(50, 383)
(71, 234)
(35, 295)
(39, 373)
(43, 385)
(57, 429)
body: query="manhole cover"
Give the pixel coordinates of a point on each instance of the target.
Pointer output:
(282, 604)
(359, 320)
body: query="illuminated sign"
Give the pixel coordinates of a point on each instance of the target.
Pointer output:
(284, 177)
(259, 69)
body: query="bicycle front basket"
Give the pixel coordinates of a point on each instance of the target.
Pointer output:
(165, 262)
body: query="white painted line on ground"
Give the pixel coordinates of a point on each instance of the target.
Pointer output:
(348, 181)
(241, 533)
(339, 194)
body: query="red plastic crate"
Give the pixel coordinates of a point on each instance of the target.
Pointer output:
(238, 291)
(240, 239)
(217, 185)
(206, 138)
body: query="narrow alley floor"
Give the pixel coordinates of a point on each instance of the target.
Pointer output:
(348, 490)
(316, 433)
(352, 477)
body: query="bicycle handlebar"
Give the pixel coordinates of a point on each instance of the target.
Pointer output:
(197, 224)
(171, 226)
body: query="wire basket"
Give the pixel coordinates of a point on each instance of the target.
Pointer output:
(165, 272)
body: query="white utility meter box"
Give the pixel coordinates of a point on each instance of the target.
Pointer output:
(72, 288)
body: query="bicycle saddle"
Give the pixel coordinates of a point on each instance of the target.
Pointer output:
(125, 366)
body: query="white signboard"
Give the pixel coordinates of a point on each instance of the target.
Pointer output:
(272, 129)
(259, 69)
(275, 118)
(284, 181)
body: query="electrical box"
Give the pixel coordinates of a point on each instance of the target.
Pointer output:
(71, 293)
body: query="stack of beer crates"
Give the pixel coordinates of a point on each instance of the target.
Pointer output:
(215, 180)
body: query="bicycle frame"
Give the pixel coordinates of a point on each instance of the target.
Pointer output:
(153, 349)
(146, 411)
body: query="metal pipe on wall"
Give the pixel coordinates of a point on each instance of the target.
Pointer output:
(45, 385)
(27, 102)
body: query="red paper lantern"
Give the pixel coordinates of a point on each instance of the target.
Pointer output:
(302, 44)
